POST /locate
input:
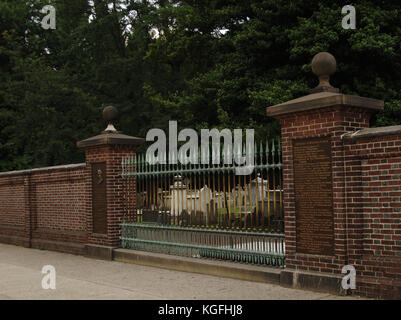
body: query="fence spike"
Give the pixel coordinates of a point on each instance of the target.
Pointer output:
(273, 152)
(255, 150)
(133, 164)
(136, 162)
(156, 163)
(279, 150)
(221, 156)
(251, 151)
(151, 164)
(127, 165)
(217, 155)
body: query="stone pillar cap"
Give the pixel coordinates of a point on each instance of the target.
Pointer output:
(110, 138)
(321, 100)
(110, 135)
(324, 95)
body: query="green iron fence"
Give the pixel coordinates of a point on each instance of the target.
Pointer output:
(207, 202)
(239, 246)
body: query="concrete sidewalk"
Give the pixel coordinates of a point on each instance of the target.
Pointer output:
(78, 277)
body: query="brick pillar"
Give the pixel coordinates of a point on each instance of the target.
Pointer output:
(320, 117)
(104, 154)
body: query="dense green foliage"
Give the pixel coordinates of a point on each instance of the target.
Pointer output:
(204, 63)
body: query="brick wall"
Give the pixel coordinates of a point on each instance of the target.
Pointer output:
(366, 168)
(330, 122)
(373, 194)
(45, 208)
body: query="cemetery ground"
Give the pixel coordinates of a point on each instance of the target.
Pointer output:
(78, 277)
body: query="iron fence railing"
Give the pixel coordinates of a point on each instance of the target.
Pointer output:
(209, 195)
(234, 245)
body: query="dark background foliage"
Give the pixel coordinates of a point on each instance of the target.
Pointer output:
(204, 63)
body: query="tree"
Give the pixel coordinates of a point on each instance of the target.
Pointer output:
(264, 58)
(204, 63)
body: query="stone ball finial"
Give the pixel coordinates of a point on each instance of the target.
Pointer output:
(323, 65)
(110, 114)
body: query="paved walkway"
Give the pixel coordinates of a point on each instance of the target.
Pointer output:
(78, 277)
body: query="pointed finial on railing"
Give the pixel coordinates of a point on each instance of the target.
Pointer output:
(238, 155)
(256, 153)
(136, 162)
(123, 166)
(132, 164)
(142, 163)
(273, 152)
(279, 149)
